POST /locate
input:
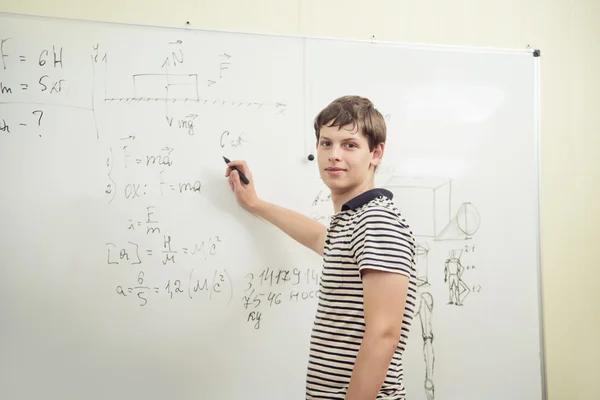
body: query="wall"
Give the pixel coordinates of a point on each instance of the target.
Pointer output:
(568, 34)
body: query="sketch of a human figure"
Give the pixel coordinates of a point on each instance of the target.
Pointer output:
(453, 271)
(424, 312)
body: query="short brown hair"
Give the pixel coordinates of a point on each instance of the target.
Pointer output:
(355, 110)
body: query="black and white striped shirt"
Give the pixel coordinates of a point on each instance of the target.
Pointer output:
(368, 232)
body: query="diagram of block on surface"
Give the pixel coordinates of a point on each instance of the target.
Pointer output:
(425, 202)
(162, 86)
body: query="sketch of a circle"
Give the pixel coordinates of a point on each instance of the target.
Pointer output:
(468, 219)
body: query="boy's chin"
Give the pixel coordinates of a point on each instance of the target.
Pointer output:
(337, 185)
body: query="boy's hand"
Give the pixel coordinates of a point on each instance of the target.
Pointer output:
(245, 194)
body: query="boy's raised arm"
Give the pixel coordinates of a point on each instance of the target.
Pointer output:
(301, 228)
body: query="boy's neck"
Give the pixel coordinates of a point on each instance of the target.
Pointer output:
(341, 198)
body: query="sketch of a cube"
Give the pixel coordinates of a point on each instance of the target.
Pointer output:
(425, 202)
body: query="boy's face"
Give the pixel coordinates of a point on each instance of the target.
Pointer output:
(345, 161)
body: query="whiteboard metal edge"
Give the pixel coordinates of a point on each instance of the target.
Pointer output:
(538, 155)
(187, 28)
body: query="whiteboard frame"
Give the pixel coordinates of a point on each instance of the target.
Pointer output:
(406, 45)
(372, 40)
(538, 157)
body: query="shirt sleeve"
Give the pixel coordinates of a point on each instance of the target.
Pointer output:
(383, 241)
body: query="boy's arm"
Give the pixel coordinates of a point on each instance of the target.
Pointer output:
(385, 256)
(384, 295)
(301, 228)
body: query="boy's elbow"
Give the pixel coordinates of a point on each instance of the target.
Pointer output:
(388, 332)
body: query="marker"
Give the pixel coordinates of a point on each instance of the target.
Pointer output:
(242, 176)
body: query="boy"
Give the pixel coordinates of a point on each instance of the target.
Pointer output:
(367, 292)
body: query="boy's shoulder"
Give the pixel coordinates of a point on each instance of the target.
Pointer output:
(368, 198)
(380, 208)
(372, 209)
(380, 230)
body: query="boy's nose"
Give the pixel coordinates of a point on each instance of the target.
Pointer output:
(335, 153)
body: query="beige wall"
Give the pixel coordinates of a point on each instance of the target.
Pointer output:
(567, 32)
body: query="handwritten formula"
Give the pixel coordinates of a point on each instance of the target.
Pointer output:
(149, 126)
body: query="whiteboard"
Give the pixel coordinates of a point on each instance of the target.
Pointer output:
(129, 271)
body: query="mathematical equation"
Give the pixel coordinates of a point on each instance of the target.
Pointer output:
(129, 254)
(136, 166)
(217, 285)
(271, 288)
(46, 58)
(49, 84)
(164, 157)
(137, 190)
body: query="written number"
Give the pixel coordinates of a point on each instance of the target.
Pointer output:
(176, 286)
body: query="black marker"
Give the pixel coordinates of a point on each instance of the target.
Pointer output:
(242, 176)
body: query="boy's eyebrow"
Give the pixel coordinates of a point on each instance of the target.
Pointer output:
(348, 138)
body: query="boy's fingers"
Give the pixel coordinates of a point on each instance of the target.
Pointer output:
(242, 165)
(245, 169)
(236, 178)
(230, 167)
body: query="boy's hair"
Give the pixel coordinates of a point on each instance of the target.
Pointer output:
(355, 110)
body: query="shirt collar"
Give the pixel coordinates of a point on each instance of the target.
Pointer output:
(366, 197)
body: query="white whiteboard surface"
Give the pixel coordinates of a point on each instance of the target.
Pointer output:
(129, 271)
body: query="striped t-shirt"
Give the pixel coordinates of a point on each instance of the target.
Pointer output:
(368, 232)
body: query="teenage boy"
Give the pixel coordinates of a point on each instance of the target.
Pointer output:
(367, 292)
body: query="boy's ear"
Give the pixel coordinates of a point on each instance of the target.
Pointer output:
(378, 154)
